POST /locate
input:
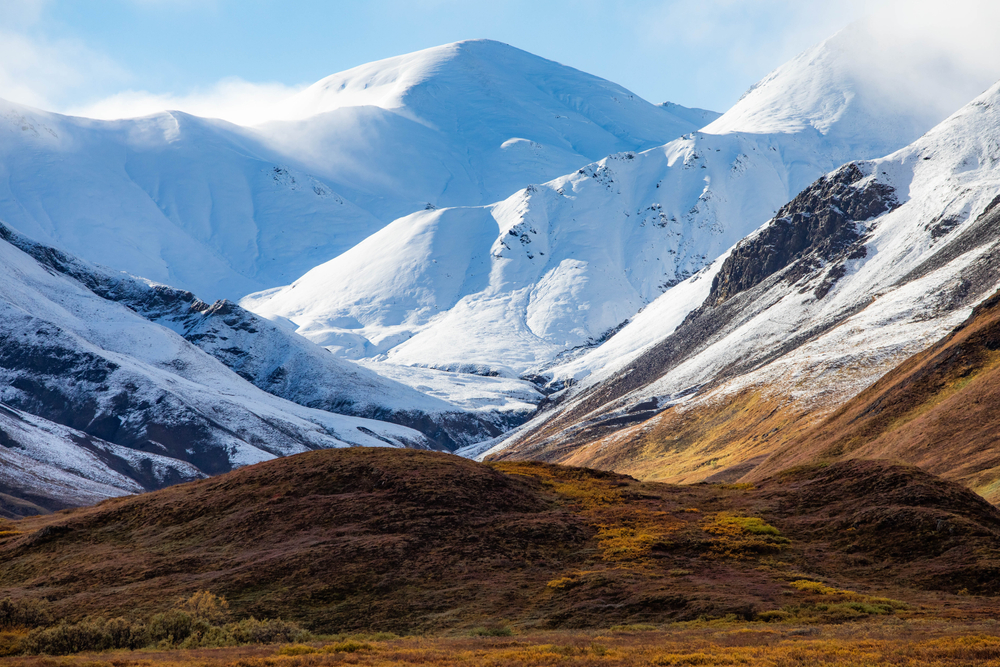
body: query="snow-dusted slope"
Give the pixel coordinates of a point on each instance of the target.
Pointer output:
(856, 89)
(53, 467)
(865, 267)
(95, 366)
(223, 210)
(171, 197)
(287, 365)
(531, 282)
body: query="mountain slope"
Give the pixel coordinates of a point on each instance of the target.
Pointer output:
(137, 400)
(171, 197)
(463, 124)
(46, 467)
(936, 410)
(869, 265)
(223, 210)
(526, 285)
(285, 364)
(410, 541)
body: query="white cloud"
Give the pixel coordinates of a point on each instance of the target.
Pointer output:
(43, 73)
(231, 99)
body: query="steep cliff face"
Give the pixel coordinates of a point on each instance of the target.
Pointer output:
(824, 224)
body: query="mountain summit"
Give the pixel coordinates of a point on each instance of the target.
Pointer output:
(525, 286)
(223, 210)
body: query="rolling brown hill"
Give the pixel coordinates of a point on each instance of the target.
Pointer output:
(939, 410)
(415, 541)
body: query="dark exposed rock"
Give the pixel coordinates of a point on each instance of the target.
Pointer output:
(809, 240)
(820, 222)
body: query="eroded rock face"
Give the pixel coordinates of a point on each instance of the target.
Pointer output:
(820, 225)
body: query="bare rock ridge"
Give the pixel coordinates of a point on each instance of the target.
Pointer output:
(804, 247)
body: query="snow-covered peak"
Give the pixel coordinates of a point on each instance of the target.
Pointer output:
(382, 83)
(482, 86)
(854, 87)
(533, 280)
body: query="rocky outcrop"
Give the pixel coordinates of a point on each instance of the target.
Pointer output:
(821, 225)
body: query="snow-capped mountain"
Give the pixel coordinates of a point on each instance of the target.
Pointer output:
(867, 266)
(521, 287)
(223, 210)
(463, 124)
(287, 365)
(94, 390)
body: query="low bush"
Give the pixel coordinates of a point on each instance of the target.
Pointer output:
(24, 613)
(173, 627)
(196, 622)
(90, 634)
(492, 631)
(268, 631)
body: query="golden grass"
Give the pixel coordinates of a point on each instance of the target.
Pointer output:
(937, 643)
(737, 536)
(688, 446)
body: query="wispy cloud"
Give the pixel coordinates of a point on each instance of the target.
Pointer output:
(45, 73)
(233, 99)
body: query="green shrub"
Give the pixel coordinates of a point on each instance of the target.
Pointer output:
(24, 613)
(347, 647)
(269, 631)
(171, 627)
(90, 634)
(492, 631)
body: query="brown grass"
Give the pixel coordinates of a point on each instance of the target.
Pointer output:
(898, 643)
(694, 444)
(937, 410)
(405, 541)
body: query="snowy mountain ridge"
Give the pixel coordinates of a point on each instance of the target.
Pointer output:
(867, 266)
(524, 286)
(223, 210)
(92, 392)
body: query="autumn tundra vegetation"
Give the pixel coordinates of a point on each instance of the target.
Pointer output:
(379, 557)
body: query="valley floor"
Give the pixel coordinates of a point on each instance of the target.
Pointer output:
(894, 641)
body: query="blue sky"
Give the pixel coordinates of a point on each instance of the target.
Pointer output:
(703, 52)
(104, 57)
